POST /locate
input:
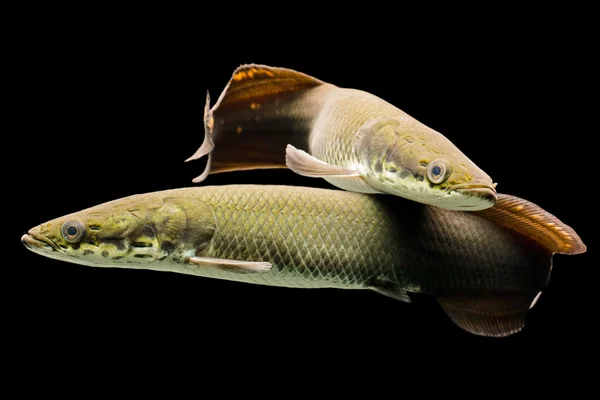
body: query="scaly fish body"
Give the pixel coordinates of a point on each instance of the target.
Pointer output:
(317, 238)
(276, 118)
(333, 134)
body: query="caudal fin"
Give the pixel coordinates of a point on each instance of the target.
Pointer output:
(503, 314)
(488, 315)
(532, 221)
(261, 110)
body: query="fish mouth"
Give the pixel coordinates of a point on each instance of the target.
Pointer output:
(32, 240)
(482, 191)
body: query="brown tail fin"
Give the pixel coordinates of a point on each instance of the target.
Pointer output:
(492, 315)
(532, 221)
(261, 110)
(503, 314)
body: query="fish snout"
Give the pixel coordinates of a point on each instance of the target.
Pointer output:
(34, 240)
(30, 242)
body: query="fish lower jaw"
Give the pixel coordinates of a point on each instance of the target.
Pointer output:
(462, 203)
(455, 200)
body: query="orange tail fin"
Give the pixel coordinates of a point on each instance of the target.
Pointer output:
(531, 220)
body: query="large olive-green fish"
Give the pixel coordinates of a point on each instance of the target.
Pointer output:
(486, 268)
(270, 117)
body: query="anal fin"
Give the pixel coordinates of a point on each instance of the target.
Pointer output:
(394, 294)
(240, 267)
(304, 164)
(488, 315)
(390, 289)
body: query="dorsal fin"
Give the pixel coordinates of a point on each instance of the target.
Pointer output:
(261, 110)
(534, 222)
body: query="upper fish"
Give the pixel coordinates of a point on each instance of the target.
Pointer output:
(270, 117)
(486, 268)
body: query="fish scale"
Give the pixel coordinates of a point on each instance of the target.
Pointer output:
(315, 238)
(335, 128)
(485, 268)
(334, 132)
(307, 255)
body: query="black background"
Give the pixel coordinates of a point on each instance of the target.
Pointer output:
(111, 109)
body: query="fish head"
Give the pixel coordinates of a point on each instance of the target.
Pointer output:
(133, 232)
(413, 161)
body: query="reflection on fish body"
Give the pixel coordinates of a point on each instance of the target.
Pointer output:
(269, 117)
(484, 267)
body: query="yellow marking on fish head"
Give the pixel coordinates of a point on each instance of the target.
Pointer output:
(108, 234)
(410, 160)
(238, 130)
(135, 231)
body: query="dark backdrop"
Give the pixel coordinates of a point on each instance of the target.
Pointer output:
(105, 113)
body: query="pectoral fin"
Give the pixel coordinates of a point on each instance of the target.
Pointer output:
(240, 267)
(492, 315)
(304, 164)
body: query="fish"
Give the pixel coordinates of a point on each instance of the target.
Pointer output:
(485, 268)
(274, 117)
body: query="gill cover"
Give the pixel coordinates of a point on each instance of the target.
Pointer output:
(375, 144)
(169, 223)
(184, 223)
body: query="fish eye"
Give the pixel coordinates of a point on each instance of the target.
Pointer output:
(72, 231)
(438, 171)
